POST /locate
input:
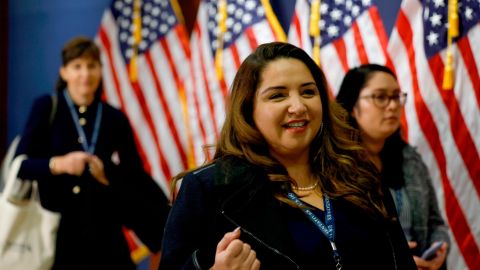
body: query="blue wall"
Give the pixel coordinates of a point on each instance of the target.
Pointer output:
(37, 32)
(39, 28)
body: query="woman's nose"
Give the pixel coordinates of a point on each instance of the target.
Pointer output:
(297, 106)
(84, 71)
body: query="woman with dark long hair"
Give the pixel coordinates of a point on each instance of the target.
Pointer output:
(288, 188)
(371, 95)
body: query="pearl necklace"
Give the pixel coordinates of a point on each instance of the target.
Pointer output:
(307, 188)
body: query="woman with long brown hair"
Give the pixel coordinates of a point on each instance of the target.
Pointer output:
(287, 188)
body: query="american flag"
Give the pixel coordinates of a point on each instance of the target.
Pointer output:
(154, 101)
(444, 124)
(351, 33)
(145, 58)
(248, 23)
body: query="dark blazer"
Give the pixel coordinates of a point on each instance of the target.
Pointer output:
(232, 193)
(90, 232)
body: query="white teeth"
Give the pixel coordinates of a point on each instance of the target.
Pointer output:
(296, 124)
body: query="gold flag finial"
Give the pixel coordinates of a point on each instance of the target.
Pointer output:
(453, 32)
(314, 29)
(448, 76)
(137, 38)
(222, 28)
(453, 23)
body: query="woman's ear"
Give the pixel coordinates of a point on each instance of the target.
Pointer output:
(355, 112)
(62, 72)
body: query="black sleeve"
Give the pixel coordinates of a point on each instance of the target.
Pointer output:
(34, 140)
(188, 227)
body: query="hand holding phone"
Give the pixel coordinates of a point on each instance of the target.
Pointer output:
(430, 253)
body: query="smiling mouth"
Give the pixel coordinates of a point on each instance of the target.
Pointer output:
(296, 124)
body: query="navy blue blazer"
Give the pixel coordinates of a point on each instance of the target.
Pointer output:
(90, 232)
(232, 193)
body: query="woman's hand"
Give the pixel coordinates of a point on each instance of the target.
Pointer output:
(434, 263)
(96, 169)
(75, 163)
(72, 163)
(233, 254)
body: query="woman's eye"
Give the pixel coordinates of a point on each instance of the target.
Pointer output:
(309, 92)
(276, 96)
(381, 97)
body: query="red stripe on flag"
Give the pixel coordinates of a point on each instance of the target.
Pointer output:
(298, 29)
(252, 39)
(381, 35)
(362, 54)
(339, 46)
(149, 121)
(108, 47)
(472, 69)
(460, 228)
(181, 32)
(164, 103)
(205, 82)
(459, 129)
(235, 56)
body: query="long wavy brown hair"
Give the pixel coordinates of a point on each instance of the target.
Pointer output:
(335, 157)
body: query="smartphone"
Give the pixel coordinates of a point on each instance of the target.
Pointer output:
(430, 253)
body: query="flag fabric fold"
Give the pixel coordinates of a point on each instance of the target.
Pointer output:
(153, 99)
(444, 124)
(351, 34)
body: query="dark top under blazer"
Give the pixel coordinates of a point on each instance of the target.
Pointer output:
(216, 199)
(90, 232)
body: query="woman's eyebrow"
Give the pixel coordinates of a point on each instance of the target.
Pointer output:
(281, 87)
(272, 88)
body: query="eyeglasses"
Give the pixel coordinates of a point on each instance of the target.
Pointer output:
(382, 100)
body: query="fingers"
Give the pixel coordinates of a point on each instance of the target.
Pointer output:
(75, 163)
(412, 244)
(421, 263)
(227, 239)
(252, 262)
(72, 163)
(256, 265)
(96, 169)
(233, 253)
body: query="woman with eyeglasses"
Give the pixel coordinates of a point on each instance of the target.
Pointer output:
(372, 97)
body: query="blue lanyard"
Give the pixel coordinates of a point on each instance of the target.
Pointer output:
(327, 229)
(88, 148)
(399, 200)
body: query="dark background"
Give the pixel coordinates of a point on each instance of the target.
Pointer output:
(32, 33)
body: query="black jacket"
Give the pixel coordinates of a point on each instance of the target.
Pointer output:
(90, 232)
(218, 198)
